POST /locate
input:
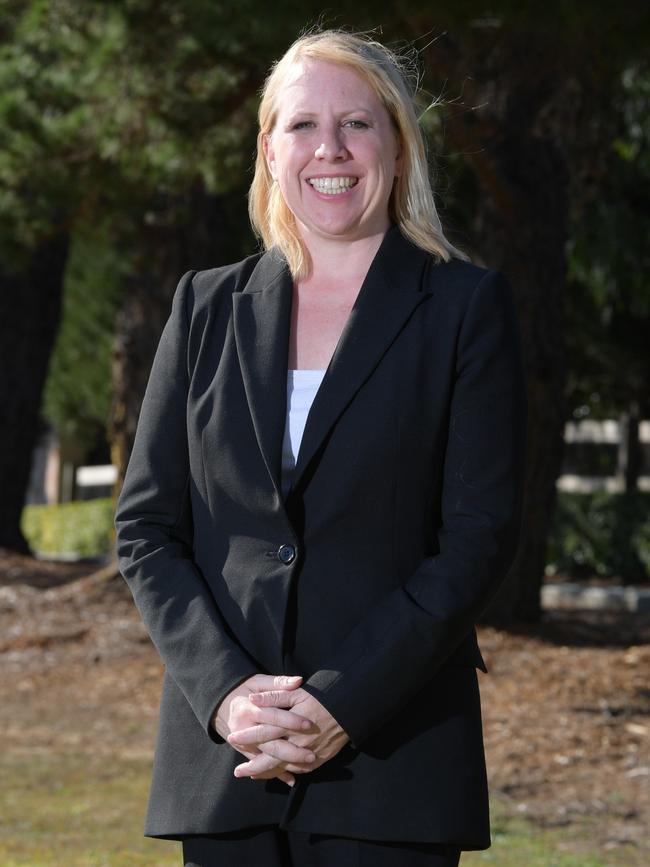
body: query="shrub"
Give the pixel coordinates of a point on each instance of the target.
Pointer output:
(601, 534)
(83, 528)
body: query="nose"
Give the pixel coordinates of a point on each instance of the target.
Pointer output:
(331, 147)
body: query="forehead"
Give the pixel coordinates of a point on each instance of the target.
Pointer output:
(309, 82)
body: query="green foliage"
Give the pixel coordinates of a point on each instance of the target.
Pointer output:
(608, 302)
(601, 534)
(110, 115)
(119, 107)
(83, 527)
(138, 94)
(43, 126)
(78, 388)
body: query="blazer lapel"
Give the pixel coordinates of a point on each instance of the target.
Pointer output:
(388, 296)
(261, 320)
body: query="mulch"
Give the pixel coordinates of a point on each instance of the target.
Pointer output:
(566, 702)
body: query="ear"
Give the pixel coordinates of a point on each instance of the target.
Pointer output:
(269, 154)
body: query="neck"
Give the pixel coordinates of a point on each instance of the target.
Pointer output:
(349, 260)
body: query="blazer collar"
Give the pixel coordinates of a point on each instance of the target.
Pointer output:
(392, 289)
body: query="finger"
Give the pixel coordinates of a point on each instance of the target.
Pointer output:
(278, 771)
(287, 752)
(256, 735)
(265, 766)
(287, 778)
(257, 765)
(283, 776)
(260, 682)
(249, 752)
(273, 698)
(285, 719)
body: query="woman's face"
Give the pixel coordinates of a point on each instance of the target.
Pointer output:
(334, 152)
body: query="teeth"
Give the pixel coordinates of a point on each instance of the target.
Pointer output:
(332, 186)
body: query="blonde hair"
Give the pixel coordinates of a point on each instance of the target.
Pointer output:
(411, 205)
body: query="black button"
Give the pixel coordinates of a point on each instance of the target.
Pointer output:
(286, 553)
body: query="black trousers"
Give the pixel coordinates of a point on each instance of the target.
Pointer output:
(272, 847)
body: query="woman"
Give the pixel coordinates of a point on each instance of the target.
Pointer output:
(324, 492)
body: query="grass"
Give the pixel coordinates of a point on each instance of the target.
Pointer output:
(79, 811)
(519, 843)
(88, 811)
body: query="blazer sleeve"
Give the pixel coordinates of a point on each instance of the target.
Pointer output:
(401, 642)
(155, 536)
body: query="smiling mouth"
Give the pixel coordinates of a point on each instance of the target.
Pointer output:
(332, 186)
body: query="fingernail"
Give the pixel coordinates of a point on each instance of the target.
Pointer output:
(294, 678)
(291, 784)
(311, 757)
(306, 724)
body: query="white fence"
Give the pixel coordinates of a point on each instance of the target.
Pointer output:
(596, 433)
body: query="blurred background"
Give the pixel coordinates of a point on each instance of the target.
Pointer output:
(127, 137)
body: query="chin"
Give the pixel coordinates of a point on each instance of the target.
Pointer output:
(349, 230)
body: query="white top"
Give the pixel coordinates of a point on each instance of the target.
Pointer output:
(302, 386)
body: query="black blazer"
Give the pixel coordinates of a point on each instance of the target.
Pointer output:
(402, 520)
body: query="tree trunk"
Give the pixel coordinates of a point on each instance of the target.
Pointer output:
(520, 223)
(630, 455)
(30, 307)
(527, 242)
(205, 233)
(626, 562)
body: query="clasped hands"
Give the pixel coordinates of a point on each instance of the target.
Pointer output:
(280, 728)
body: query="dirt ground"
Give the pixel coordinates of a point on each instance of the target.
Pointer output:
(566, 704)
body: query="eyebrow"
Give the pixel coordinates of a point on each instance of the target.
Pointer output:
(297, 112)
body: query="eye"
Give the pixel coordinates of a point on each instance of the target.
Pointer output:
(302, 124)
(356, 124)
